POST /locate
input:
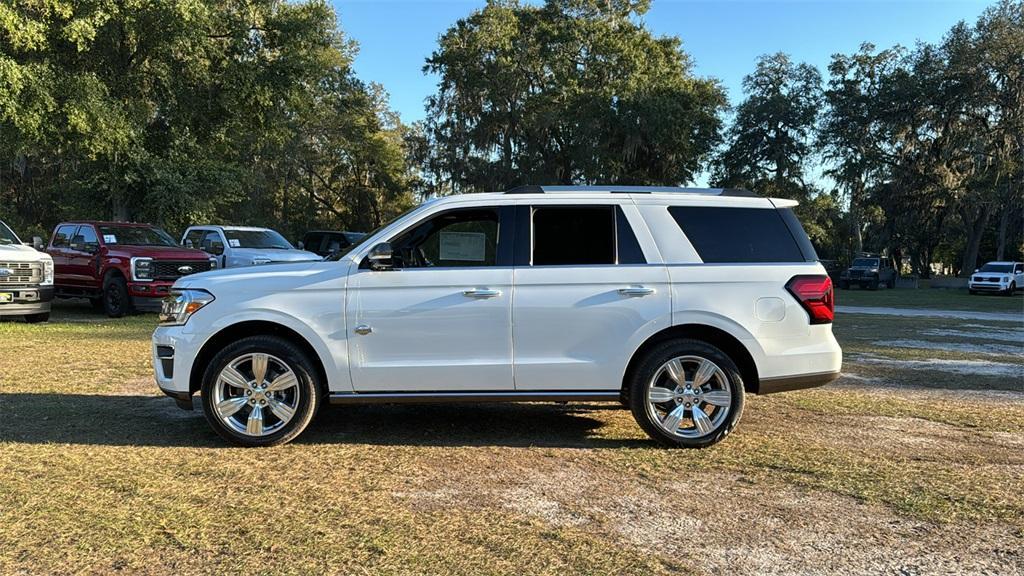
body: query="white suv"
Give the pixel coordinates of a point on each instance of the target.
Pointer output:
(672, 301)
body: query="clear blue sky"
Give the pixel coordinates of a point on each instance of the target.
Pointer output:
(724, 38)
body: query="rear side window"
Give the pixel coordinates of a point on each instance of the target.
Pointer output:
(313, 241)
(193, 238)
(63, 236)
(722, 235)
(573, 235)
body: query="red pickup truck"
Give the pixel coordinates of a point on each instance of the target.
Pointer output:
(119, 266)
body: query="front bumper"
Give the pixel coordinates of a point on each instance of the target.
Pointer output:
(173, 352)
(27, 300)
(148, 296)
(987, 286)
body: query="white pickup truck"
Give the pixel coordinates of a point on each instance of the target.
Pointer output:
(26, 278)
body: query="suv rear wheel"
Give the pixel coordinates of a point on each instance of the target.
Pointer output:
(260, 391)
(686, 393)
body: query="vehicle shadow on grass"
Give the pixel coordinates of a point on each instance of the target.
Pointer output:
(155, 421)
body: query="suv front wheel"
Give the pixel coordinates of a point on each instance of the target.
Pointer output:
(686, 393)
(260, 391)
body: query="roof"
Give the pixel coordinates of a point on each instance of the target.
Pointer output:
(108, 223)
(616, 189)
(223, 227)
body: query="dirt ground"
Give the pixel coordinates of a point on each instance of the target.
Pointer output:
(912, 463)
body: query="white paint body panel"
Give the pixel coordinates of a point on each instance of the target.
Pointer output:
(428, 335)
(572, 328)
(550, 328)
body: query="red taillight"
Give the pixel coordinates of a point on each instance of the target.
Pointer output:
(815, 294)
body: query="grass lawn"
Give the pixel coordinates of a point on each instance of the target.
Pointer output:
(934, 298)
(902, 465)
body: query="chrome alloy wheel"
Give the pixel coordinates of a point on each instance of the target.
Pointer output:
(689, 396)
(256, 394)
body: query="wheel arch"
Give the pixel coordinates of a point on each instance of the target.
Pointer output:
(717, 337)
(245, 329)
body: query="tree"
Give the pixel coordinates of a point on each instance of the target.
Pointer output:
(851, 135)
(189, 111)
(769, 144)
(572, 91)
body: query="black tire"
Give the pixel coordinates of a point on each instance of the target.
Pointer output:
(309, 387)
(98, 304)
(37, 318)
(891, 284)
(116, 301)
(873, 285)
(972, 292)
(649, 365)
(1011, 289)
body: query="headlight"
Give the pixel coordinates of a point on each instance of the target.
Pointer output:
(260, 260)
(213, 263)
(180, 305)
(47, 272)
(142, 269)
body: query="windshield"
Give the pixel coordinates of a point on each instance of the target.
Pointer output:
(1004, 268)
(7, 236)
(256, 239)
(136, 236)
(866, 262)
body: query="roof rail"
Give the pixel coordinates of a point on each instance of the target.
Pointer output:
(535, 189)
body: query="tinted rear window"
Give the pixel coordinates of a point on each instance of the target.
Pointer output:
(722, 234)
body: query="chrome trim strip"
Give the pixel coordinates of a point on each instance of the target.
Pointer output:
(511, 396)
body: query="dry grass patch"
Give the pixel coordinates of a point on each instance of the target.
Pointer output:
(885, 473)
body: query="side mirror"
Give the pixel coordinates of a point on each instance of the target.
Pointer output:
(37, 243)
(189, 244)
(380, 256)
(977, 269)
(216, 248)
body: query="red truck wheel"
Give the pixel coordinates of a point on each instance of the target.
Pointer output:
(116, 301)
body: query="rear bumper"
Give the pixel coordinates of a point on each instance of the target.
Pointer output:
(787, 383)
(27, 300)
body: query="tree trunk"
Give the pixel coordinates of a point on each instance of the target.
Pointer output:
(1004, 220)
(976, 228)
(855, 217)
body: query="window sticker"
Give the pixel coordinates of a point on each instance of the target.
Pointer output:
(465, 246)
(234, 242)
(109, 239)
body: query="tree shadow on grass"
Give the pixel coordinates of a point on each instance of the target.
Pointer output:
(155, 421)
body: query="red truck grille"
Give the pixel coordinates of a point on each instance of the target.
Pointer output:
(172, 270)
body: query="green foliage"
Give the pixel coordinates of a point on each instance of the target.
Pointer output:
(571, 91)
(770, 140)
(189, 111)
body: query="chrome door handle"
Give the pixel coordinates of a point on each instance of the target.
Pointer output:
(636, 291)
(481, 293)
(363, 329)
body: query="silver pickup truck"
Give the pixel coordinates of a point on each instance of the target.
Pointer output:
(26, 278)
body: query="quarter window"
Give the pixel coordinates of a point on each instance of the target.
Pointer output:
(722, 235)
